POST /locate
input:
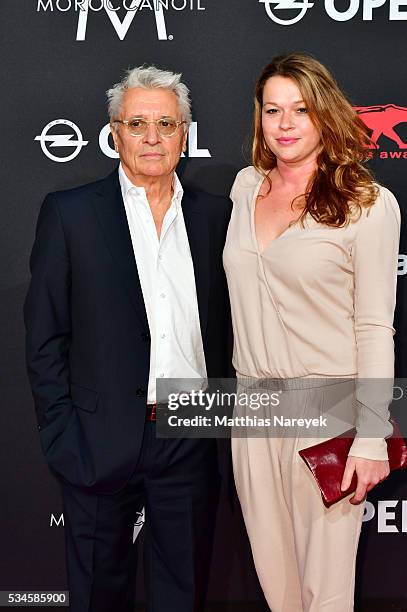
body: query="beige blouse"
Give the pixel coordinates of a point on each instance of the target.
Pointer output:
(319, 301)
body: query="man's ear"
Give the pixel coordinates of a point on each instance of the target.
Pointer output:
(114, 136)
(184, 141)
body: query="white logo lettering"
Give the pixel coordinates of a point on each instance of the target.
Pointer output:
(369, 512)
(300, 7)
(46, 7)
(104, 143)
(61, 140)
(368, 7)
(341, 15)
(193, 150)
(122, 27)
(398, 393)
(56, 522)
(395, 13)
(384, 515)
(402, 265)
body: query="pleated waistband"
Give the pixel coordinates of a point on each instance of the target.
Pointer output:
(285, 384)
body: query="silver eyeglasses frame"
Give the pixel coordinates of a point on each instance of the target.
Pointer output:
(156, 122)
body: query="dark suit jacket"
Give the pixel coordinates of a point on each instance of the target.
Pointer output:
(88, 341)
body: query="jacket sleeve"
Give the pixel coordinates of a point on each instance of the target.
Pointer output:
(48, 324)
(375, 255)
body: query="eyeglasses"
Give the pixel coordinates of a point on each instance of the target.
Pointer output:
(137, 126)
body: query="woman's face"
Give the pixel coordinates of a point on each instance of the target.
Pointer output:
(287, 127)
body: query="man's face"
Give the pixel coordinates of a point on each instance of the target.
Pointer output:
(150, 155)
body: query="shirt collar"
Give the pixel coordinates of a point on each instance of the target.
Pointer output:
(127, 186)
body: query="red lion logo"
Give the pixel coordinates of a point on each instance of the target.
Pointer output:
(382, 119)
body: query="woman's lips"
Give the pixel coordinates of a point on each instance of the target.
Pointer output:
(287, 141)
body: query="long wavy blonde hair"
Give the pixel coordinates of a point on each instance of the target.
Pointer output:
(341, 184)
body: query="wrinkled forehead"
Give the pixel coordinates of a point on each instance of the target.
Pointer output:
(150, 103)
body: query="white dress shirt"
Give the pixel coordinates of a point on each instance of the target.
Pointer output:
(167, 281)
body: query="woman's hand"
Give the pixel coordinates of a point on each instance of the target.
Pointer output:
(369, 472)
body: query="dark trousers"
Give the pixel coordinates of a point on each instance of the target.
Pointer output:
(177, 482)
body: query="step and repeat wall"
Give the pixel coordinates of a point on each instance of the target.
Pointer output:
(58, 59)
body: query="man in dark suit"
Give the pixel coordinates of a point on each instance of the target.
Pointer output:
(128, 286)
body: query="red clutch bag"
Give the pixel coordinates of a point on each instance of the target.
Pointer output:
(327, 462)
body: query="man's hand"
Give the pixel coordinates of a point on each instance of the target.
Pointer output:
(369, 472)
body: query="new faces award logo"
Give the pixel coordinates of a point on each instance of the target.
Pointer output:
(388, 126)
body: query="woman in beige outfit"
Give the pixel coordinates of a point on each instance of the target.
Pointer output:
(311, 259)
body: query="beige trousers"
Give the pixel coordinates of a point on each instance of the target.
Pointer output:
(304, 553)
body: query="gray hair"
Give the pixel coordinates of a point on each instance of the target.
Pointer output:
(149, 77)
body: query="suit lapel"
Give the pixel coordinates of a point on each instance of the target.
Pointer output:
(196, 224)
(111, 214)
